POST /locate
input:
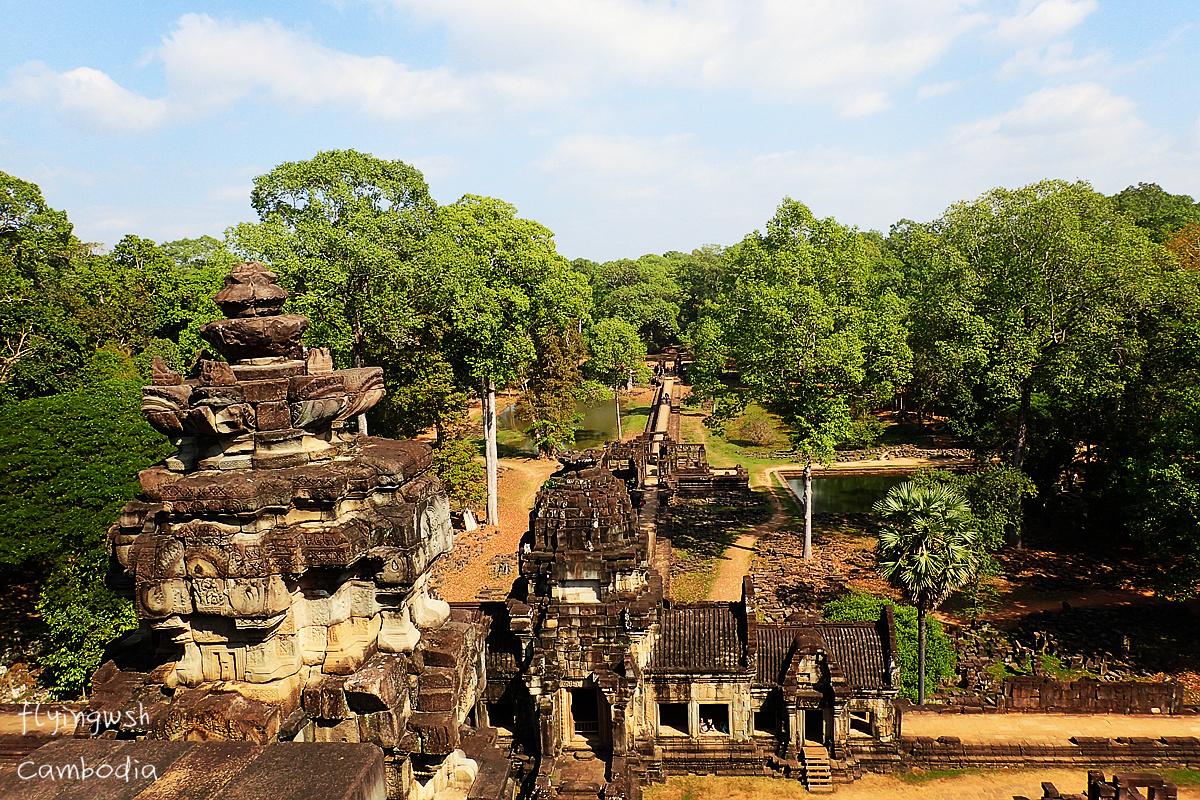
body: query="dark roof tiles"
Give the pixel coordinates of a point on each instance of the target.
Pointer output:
(700, 639)
(859, 648)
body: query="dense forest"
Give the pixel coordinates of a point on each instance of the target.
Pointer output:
(1052, 329)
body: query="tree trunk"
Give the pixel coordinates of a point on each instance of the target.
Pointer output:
(920, 655)
(490, 456)
(358, 362)
(808, 498)
(617, 409)
(1018, 458)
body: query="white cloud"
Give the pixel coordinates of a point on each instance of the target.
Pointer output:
(849, 54)
(931, 90)
(777, 49)
(1052, 61)
(211, 63)
(662, 190)
(85, 94)
(1082, 127)
(1045, 20)
(864, 104)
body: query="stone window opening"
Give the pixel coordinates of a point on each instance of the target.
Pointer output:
(714, 719)
(673, 719)
(502, 716)
(861, 724)
(585, 711)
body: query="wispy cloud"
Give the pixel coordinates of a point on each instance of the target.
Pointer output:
(1053, 61)
(1079, 130)
(779, 50)
(85, 94)
(1043, 20)
(530, 54)
(931, 90)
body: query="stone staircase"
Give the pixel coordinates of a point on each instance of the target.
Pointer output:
(580, 776)
(818, 776)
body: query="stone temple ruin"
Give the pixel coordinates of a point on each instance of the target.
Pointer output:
(594, 669)
(279, 564)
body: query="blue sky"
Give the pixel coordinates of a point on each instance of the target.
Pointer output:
(626, 127)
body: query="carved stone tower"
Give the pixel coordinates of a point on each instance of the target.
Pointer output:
(279, 562)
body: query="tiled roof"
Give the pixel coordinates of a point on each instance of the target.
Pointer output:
(860, 651)
(859, 648)
(700, 638)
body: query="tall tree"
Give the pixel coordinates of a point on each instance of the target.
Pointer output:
(698, 274)
(499, 280)
(618, 358)
(552, 386)
(642, 292)
(1150, 469)
(927, 547)
(342, 229)
(42, 344)
(1155, 210)
(1024, 308)
(812, 330)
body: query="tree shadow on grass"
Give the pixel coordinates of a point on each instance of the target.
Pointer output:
(705, 527)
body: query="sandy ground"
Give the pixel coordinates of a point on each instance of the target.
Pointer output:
(518, 484)
(1045, 727)
(995, 785)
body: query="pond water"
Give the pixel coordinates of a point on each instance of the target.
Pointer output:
(846, 494)
(599, 425)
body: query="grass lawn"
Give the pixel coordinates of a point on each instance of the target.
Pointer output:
(633, 419)
(725, 453)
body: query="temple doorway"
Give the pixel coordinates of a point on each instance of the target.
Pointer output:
(589, 718)
(814, 726)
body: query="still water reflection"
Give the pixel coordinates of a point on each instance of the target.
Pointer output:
(846, 494)
(599, 425)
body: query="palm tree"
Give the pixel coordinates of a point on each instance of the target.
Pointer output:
(928, 549)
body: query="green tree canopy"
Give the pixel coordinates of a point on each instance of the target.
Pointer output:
(1025, 309)
(642, 292)
(343, 230)
(1157, 211)
(499, 283)
(814, 333)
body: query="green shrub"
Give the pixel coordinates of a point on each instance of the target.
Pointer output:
(82, 617)
(755, 427)
(865, 431)
(456, 462)
(68, 463)
(939, 650)
(995, 493)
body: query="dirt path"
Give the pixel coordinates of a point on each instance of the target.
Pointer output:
(472, 569)
(735, 561)
(964, 785)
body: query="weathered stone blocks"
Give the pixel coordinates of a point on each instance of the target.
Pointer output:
(279, 562)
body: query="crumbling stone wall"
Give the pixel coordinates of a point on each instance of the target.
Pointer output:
(1124, 786)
